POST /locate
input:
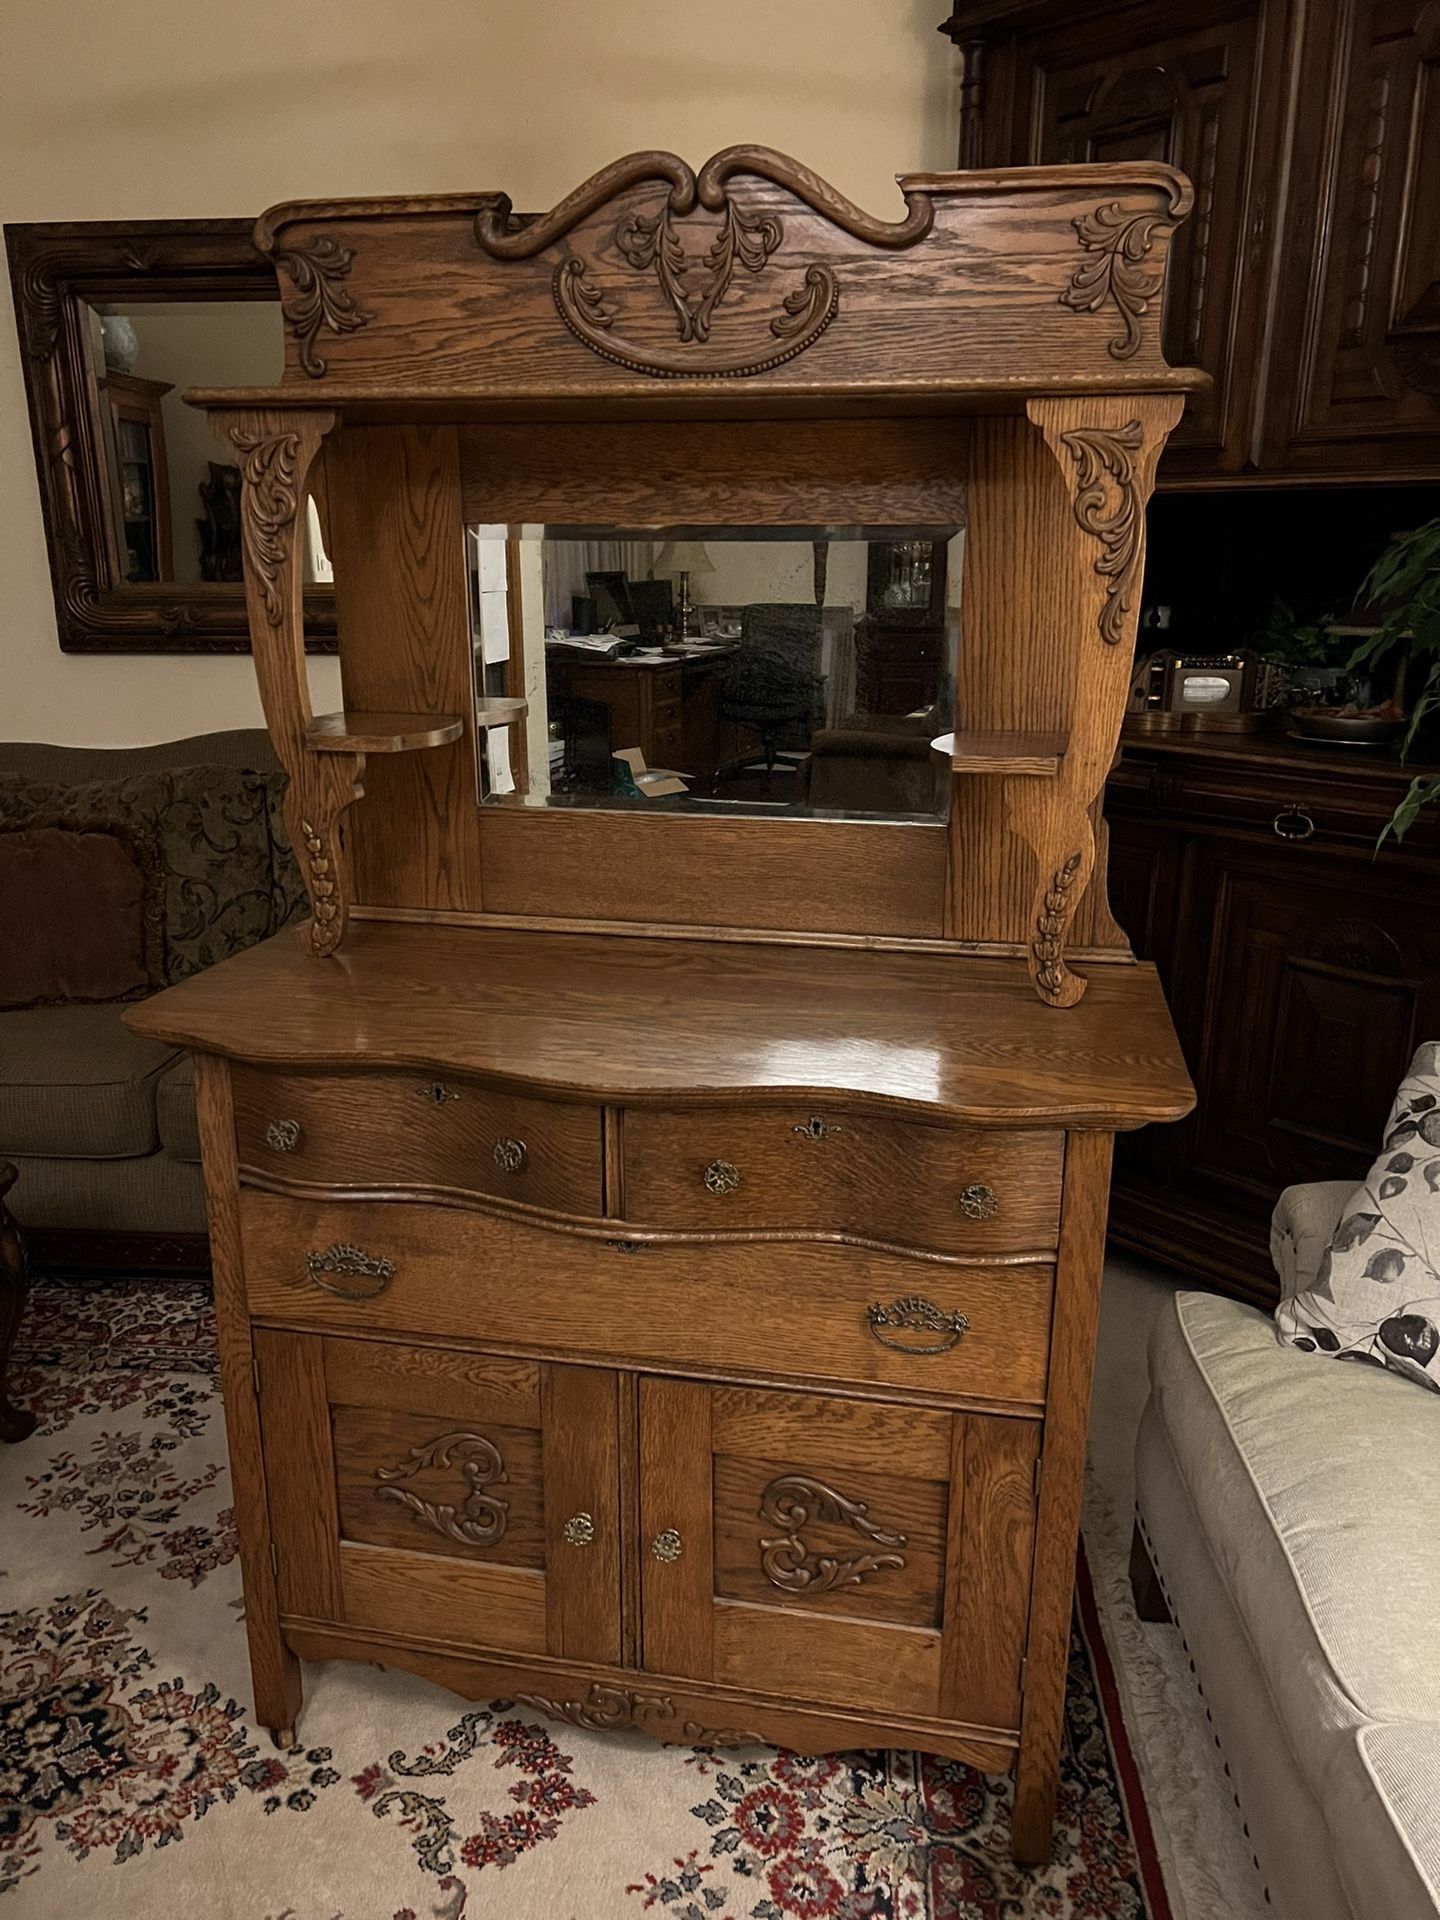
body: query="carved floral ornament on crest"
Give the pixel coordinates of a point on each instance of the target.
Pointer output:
(695, 276)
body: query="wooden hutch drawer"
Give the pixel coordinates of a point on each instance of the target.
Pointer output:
(819, 1312)
(959, 1190)
(418, 1130)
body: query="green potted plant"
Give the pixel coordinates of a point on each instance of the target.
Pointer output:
(1403, 590)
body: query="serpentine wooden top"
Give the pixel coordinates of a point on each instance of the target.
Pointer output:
(751, 277)
(658, 1021)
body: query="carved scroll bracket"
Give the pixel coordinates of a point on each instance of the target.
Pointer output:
(793, 1502)
(1106, 450)
(1116, 269)
(481, 1517)
(275, 450)
(604, 1708)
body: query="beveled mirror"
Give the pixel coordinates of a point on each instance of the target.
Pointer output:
(116, 319)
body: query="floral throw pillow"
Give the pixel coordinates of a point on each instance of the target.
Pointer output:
(1376, 1297)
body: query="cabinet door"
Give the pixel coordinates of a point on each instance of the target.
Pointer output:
(837, 1552)
(1323, 976)
(446, 1496)
(1359, 389)
(1140, 85)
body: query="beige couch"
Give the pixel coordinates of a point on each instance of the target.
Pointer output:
(100, 1122)
(1290, 1506)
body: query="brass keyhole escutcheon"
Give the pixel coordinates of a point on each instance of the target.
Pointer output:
(579, 1530)
(816, 1129)
(438, 1092)
(511, 1156)
(980, 1203)
(282, 1136)
(667, 1546)
(722, 1177)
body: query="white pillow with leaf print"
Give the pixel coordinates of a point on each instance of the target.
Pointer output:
(1376, 1297)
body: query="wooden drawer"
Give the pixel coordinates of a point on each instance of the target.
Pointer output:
(959, 1190)
(396, 1130)
(797, 1310)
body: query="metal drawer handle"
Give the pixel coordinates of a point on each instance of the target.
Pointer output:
(722, 1177)
(917, 1315)
(816, 1129)
(282, 1136)
(511, 1156)
(980, 1203)
(354, 1263)
(579, 1530)
(1293, 823)
(437, 1092)
(667, 1546)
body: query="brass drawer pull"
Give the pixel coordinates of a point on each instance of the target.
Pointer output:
(815, 1128)
(511, 1156)
(282, 1136)
(721, 1177)
(917, 1315)
(667, 1546)
(980, 1203)
(1293, 823)
(354, 1263)
(437, 1092)
(579, 1530)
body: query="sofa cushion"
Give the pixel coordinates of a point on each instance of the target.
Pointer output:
(75, 1083)
(1376, 1296)
(175, 1110)
(1316, 1492)
(212, 832)
(1301, 1477)
(82, 914)
(1397, 1826)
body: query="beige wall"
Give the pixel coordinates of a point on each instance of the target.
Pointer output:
(163, 108)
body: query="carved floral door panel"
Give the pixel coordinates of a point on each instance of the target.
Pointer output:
(443, 1495)
(836, 1550)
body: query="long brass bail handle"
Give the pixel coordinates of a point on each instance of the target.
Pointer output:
(915, 1314)
(353, 1263)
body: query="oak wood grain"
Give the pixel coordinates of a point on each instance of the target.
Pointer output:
(428, 1594)
(374, 1447)
(417, 1130)
(580, 1412)
(676, 1522)
(666, 1708)
(834, 1434)
(274, 1670)
(989, 1554)
(300, 1471)
(791, 1309)
(858, 1663)
(889, 1179)
(380, 732)
(432, 1380)
(650, 1021)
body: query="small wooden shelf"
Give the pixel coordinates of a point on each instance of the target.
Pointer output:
(500, 711)
(1035, 754)
(381, 732)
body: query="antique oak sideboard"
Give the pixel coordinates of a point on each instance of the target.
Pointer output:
(657, 1250)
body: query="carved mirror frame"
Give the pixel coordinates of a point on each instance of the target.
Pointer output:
(57, 269)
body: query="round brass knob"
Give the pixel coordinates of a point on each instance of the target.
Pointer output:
(282, 1136)
(579, 1530)
(721, 1177)
(980, 1203)
(667, 1546)
(510, 1156)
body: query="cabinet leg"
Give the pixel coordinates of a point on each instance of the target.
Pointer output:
(283, 1738)
(1037, 1786)
(275, 1676)
(15, 1422)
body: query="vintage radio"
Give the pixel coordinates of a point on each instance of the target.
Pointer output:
(1230, 692)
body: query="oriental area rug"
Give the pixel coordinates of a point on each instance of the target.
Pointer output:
(134, 1784)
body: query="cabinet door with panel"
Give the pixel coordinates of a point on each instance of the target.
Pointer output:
(1197, 92)
(832, 1551)
(1359, 280)
(440, 1495)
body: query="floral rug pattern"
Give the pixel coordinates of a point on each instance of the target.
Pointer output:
(133, 1783)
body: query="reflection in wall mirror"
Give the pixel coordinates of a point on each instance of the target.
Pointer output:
(116, 321)
(171, 497)
(742, 670)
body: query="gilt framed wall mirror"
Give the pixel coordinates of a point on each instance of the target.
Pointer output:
(116, 320)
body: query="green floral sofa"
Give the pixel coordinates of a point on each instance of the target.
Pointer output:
(100, 1122)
